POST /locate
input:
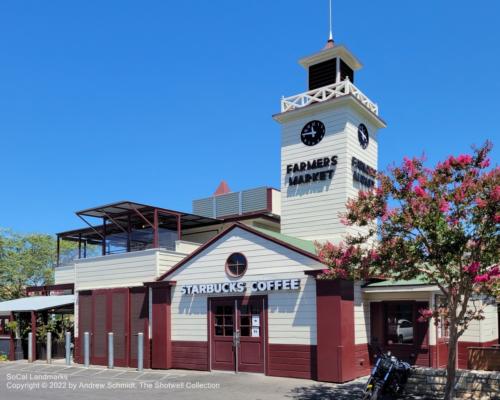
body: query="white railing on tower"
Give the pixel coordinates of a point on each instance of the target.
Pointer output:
(325, 93)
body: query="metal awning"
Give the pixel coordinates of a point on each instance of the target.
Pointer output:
(35, 303)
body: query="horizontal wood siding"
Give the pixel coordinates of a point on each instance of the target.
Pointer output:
(64, 274)
(292, 317)
(361, 317)
(123, 270)
(167, 259)
(292, 361)
(190, 355)
(311, 211)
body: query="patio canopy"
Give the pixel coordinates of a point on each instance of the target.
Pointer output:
(35, 303)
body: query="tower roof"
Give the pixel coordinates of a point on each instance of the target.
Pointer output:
(223, 188)
(330, 51)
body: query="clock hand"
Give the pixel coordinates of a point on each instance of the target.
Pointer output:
(310, 133)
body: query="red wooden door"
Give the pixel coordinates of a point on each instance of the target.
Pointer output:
(139, 314)
(85, 312)
(250, 323)
(119, 325)
(99, 336)
(222, 330)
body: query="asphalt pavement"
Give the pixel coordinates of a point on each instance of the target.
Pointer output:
(22, 381)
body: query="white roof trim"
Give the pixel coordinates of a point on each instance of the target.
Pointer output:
(403, 288)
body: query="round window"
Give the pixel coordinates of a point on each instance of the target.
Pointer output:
(236, 265)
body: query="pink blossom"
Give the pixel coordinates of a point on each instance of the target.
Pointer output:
(481, 203)
(485, 163)
(425, 314)
(472, 268)
(494, 272)
(459, 196)
(495, 193)
(444, 206)
(496, 218)
(374, 256)
(422, 180)
(481, 278)
(409, 166)
(419, 191)
(464, 159)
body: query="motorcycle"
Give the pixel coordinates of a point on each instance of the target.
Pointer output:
(388, 377)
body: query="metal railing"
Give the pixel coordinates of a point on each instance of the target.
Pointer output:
(325, 93)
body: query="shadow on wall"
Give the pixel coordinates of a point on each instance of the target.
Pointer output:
(192, 305)
(308, 188)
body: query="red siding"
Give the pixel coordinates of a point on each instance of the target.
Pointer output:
(190, 355)
(335, 324)
(362, 360)
(463, 353)
(292, 361)
(439, 355)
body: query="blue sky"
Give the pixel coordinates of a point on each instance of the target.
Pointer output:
(157, 101)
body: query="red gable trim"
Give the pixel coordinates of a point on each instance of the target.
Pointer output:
(224, 233)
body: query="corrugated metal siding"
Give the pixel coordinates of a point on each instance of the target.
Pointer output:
(232, 203)
(204, 207)
(254, 200)
(227, 204)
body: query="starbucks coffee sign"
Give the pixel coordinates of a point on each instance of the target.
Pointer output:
(241, 287)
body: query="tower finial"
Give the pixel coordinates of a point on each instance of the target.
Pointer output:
(330, 37)
(329, 43)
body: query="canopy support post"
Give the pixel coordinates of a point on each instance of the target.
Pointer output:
(33, 336)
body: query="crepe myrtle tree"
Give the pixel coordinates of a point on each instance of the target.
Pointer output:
(440, 225)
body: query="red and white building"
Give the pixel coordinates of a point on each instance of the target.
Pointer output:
(244, 263)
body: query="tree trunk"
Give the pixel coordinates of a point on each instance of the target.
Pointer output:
(451, 368)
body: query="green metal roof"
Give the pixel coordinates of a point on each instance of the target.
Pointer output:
(411, 282)
(305, 245)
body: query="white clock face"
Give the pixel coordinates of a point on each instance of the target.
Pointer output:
(363, 136)
(312, 133)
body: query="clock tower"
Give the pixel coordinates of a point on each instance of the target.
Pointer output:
(328, 146)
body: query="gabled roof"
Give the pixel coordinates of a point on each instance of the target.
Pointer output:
(298, 245)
